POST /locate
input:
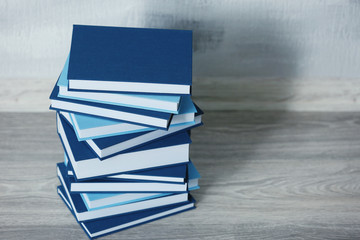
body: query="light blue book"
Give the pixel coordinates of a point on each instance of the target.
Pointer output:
(103, 200)
(162, 103)
(193, 177)
(92, 127)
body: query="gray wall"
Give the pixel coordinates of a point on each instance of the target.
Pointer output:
(253, 55)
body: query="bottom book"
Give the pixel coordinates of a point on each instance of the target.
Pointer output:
(100, 227)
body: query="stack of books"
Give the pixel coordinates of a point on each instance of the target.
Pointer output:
(124, 115)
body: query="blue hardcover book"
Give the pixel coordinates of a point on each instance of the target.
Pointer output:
(104, 226)
(98, 200)
(168, 151)
(110, 146)
(91, 127)
(173, 173)
(130, 60)
(156, 102)
(126, 114)
(120, 185)
(83, 214)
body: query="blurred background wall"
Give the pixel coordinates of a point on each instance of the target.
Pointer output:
(299, 55)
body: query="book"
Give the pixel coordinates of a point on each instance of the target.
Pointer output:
(156, 102)
(83, 214)
(119, 185)
(151, 60)
(126, 114)
(102, 200)
(173, 173)
(110, 146)
(171, 150)
(91, 127)
(96, 200)
(193, 177)
(100, 227)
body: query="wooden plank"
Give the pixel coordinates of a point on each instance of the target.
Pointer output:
(265, 175)
(259, 94)
(217, 93)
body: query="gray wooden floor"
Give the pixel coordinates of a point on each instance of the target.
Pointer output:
(265, 175)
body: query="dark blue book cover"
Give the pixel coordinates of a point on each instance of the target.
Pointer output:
(116, 141)
(100, 227)
(86, 165)
(133, 55)
(83, 214)
(113, 145)
(81, 151)
(126, 114)
(120, 185)
(174, 171)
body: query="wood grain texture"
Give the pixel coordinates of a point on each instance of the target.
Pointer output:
(218, 93)
(265, 175)
(259, 94)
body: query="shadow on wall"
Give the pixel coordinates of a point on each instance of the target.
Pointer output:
(241, 57)
(237, 58)
(231, 41)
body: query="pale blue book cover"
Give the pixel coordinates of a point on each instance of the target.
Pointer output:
(88, 121)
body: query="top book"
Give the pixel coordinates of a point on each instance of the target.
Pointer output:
(118, 59)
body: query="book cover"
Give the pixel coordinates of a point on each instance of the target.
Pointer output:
(103, 200)
(172, 173)
(126, 114)
(151, 60)
(155, 102)
(91, 127)
(96, 200)
(110, 146)
(83, 214)
(119, 185)
(193, 177)
(101, 227)
(169, 151)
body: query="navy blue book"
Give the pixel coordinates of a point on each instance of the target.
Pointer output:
(173, 173)
(83, 214)
(126, 114)
(120, 185)
(106, 199)
(156, 102)
(91, 127)
(113, 145)
(100, 227)
(85, 163)
(130, 60)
